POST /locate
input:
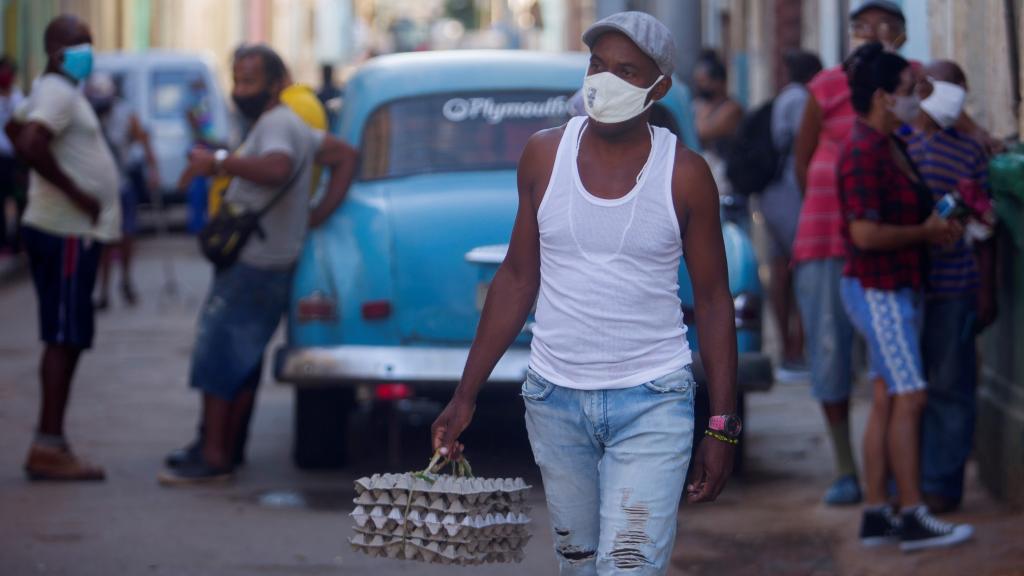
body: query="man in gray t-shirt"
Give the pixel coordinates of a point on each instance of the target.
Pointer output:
(247, 300)
(278, 131)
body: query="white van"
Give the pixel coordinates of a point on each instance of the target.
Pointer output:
(161, 87)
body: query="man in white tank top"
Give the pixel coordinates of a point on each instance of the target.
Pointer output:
(608, 205)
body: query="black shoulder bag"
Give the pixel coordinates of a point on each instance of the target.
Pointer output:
(222, 239)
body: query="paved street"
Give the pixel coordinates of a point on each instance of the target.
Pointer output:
(132, 404)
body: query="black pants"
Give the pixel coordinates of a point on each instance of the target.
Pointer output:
(12, 185)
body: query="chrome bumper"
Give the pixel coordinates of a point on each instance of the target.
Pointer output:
(341, 365)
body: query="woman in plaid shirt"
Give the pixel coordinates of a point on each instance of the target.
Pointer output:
(888, 224)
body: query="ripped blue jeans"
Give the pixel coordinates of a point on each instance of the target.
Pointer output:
(613, 464)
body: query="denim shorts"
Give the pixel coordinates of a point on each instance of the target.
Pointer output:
(828, 335)
(890, 321)
(613, 464)
(236, 323)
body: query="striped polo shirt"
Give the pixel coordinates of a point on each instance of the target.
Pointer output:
(944, 159)
(819, 233)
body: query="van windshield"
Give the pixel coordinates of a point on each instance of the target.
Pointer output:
(456, 132)
(175, 92)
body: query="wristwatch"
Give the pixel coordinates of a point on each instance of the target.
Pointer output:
(218, 160)
(726, 424)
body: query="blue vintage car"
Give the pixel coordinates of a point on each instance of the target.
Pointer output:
(387, 294)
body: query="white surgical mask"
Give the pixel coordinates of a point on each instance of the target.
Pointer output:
(609, 99)
(906, 108)
(945, 104)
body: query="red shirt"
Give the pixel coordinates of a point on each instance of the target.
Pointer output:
(819, 231)
(873, 187)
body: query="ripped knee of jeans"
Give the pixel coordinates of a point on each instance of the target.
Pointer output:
(626, 550)
(572, 553)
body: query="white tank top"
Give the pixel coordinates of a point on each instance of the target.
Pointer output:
(608, 313)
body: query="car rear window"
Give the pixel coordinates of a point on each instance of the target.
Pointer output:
(456, 132)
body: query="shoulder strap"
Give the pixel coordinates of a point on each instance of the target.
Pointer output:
(279, 194)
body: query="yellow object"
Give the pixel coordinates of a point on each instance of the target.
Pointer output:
(303, 101)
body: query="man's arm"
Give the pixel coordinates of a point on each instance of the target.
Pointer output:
(32, 142)
(696, 204)
(807, 141)
(272, 169)
(140, 135)
(509, 299)
(967, 125)
(872, 235)
(720, 123)
(342, 160)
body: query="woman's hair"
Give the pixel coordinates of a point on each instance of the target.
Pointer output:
(871, 68)
(801, 65)
(712, 63)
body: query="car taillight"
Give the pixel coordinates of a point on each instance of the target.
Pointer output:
(392, 391)
(317, 307)
(748, 311)
(376, 309)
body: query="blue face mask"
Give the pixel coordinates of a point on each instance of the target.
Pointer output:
(78, 61)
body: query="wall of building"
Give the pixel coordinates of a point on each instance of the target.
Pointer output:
(975, 35)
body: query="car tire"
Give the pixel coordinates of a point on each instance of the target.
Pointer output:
(321, 428)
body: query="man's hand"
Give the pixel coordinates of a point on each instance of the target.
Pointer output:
(86, 204)
(200, 163)
(712, 464)
(450, 424)
(941, 231)
(201, 160)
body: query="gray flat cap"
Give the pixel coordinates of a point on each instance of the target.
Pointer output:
(885, 5)
(651, 36)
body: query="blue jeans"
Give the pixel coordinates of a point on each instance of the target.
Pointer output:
(613, 464)
(828, 334)
(951, 363)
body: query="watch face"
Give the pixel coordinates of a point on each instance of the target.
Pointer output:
(733, 426)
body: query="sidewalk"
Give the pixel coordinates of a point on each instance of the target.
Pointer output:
(772, 521)
(11, 266)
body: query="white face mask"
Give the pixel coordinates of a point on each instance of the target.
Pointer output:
(906, 108)
(945, 104)
(609, 99)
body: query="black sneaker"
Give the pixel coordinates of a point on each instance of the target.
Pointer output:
(195, 472)
(879, 527)
(922, 530)
(183, 456)
(193, 453)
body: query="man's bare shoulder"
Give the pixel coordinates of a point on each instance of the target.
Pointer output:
(693, 186)
(690, 167)
(544, 141)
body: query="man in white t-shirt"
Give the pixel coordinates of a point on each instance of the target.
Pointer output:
(73, 209)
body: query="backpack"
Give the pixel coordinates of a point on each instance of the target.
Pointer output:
(753, 162)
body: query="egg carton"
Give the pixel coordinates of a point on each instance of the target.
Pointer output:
(469, 490)
(453, 503)
(511, 534)
(443, 531)
(439, 552)
(388, 518)
(422, 538)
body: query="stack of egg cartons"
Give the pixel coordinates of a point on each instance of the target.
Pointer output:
(442, 519)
